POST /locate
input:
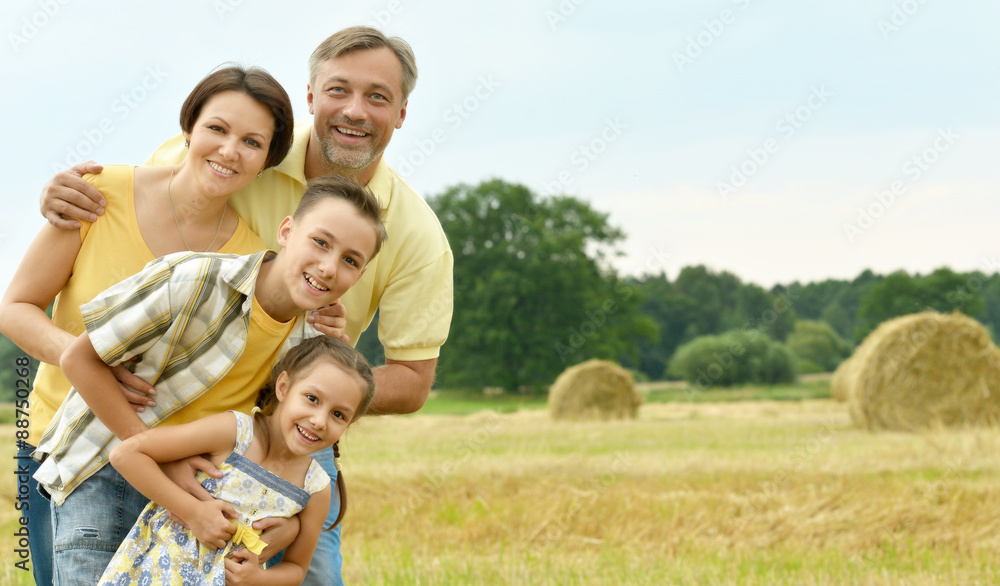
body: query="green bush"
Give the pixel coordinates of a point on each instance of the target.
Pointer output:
(806, 366)
(817, 343)
(732, 358)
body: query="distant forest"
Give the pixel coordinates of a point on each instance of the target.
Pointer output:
(536, 291)
(701, 302)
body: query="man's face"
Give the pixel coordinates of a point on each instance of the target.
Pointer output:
(357, 101)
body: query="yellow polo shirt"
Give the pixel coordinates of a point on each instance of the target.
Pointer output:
(237, 391)
(116, 237)
(411, 277)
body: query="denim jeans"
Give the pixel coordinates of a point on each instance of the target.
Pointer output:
(324, 569)
(90, 525)
(38, 519)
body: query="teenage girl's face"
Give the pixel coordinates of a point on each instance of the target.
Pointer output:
(229, 142)
(315, 409)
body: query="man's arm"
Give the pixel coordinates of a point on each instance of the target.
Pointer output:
(402, 386)
(67, 196)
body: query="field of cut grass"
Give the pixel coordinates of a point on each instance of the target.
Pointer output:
(692, 492)
(758, 492)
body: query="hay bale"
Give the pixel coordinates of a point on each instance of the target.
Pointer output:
(923, 371)
(595, 389)
(841, 380)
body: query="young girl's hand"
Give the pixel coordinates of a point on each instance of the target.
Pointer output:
(210, 523)
(243, 568)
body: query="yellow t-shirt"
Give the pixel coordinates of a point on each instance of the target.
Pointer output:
(237, 390)
(411, 277)
(112, 249)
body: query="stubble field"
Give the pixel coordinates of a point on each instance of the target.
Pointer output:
(752, 492)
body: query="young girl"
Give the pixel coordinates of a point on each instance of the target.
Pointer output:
(316, 390)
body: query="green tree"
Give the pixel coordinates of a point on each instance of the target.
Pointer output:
(900, 294)
(532, 291)
(369, 344)
(702, 302)
(817, 346)
(735, 357)
(11, 370)
(990, 294)
(834, 301)
(671, 311)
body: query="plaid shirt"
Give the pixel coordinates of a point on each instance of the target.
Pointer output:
(186, 316)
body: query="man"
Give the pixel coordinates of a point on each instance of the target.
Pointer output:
(359, 84)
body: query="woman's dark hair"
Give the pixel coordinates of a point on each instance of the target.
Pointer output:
(259, 85)
(295, 362)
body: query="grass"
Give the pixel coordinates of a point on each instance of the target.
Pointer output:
(462, 402)
(455, 402)
(691, 492)
(751, 492)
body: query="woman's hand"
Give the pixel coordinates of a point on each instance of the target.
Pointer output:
(243, 568)
(138, 392)
(277, 532)
(210, 523)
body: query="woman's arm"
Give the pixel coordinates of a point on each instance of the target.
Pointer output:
(242, 569)
(138, 458)
(43, 272)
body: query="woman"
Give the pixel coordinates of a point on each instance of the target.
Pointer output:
(236, 122)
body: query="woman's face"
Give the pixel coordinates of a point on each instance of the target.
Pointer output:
(229, 142)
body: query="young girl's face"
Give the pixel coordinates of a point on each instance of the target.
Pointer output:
(315, 409)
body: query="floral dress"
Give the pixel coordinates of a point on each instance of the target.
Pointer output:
(159, 551)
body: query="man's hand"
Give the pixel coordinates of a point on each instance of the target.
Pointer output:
(278, 533)
(67, 198)
(137, 391)
(243, 568)
(330, 320)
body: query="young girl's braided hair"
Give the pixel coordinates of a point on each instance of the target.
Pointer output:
(295, 362)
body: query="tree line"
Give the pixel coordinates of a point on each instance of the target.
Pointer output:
(536, 291)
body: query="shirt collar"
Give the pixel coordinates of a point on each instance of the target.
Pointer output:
(294, 163)
(242, 276)
(381, 183)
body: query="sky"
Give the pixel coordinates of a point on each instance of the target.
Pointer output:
(778, 140)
